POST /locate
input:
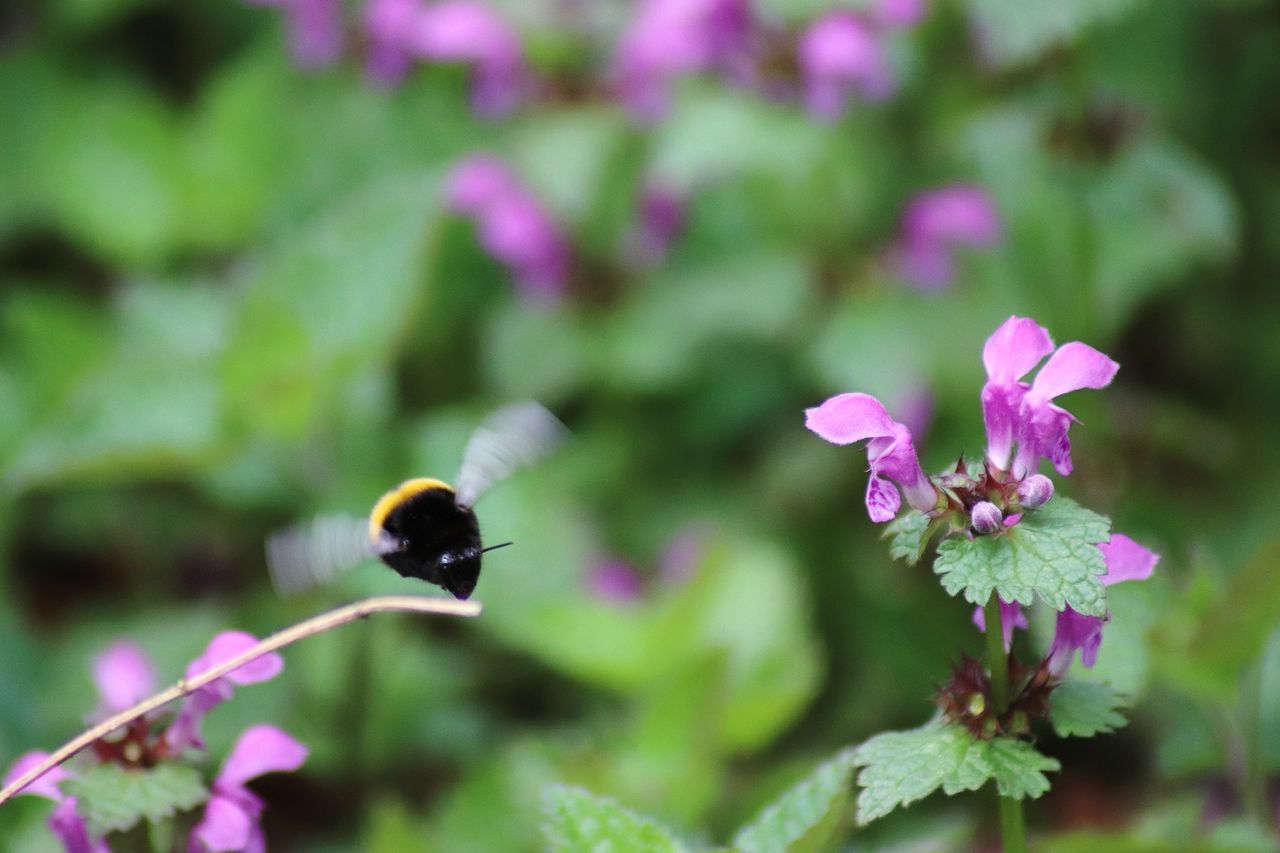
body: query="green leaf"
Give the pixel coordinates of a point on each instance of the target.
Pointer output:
(1014, 31)
(899, 768)
(1085, 708)
(1050, 553)
(578, 820)
(113, 799)
(907, 536)
(807, 815)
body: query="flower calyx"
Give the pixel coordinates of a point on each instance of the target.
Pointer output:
(966, 699)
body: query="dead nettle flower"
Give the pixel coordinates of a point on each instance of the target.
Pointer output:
(669, 39)
(616, 581)
(842, 55)
(848, 418)
(314, 29)
(512, 225)
(937, 222)
(124, 676)
(465, 31)
(1023, 415)
(1126, 561)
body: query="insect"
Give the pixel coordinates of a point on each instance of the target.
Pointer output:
(423, 528)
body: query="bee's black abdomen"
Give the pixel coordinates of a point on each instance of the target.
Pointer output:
(439, 540)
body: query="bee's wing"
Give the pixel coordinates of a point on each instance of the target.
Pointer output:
(514, 436)
(315, 553)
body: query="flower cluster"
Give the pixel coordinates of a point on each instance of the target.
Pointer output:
(124, 676)
(840, 55)
(1024, 426)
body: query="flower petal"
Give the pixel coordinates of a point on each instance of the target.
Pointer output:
(1075, 631)
(124, 676)
(72, 831)
(43, 786)
(846, 418)
(230, 644)
(225, 826)
(260, 749)
(1127, 560)
(1015, 348)
(883, 500)
(1072, 367)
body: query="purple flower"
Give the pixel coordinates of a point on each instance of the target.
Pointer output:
(64, 823)
(1126, 561)
(934, 223)
(1022, 414)
(124, 676)
(614, 581)
(840, 56)
(668, 39)
(661, 218)
(467, 31)
(847, 418)
(513, 227)
(1035, 491)
(986, 518)
(314, 29)
(1011, 616)
(232, 816)
(896, 14)
(184, 733)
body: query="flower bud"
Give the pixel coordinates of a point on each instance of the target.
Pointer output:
(986, 517)
(1035, 491)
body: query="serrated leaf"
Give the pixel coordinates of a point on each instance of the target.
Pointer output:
(907, 535)
(1085, 708)
(806, 815)
(1051, 553)
(899, 768)
(111, 798)
(578, 820)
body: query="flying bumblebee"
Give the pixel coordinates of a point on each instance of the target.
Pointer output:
(423, 528)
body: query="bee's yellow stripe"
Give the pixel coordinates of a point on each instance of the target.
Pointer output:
(397, 496)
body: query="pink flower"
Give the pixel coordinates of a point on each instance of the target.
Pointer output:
(1011, 616)
(232, 816)
(64, 823)
(841, 56)
(184, 733)
(466, 31)
(1126, 561)
(124, 676)
(895, 14)
(314, 29)
(847, 418)
(668, 39)
(934, 224)
(1022, 414)
(614, 581)
(513, 227)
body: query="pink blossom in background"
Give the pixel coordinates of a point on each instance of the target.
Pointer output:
(232, 817)
(668, 39)
(934, 224)
(841, 56)
(1126, 561)
(1021, 415)
(401, 32)
(898, 14)
(512, 225)
(661, 218)
(614, 580)
(314, 28)
(124, 676)
(848, 418)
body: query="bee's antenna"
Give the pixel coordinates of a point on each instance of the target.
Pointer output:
(496, 547)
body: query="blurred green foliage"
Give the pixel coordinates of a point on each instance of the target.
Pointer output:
(230, 298)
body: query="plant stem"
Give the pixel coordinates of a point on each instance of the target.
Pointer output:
(304, 629)
(1013, 829)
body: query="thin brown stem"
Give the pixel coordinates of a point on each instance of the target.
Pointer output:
(304, 629)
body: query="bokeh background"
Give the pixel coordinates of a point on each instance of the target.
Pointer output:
(235, 292)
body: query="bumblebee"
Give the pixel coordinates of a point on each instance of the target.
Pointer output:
(423, 528)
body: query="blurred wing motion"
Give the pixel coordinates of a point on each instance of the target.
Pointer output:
(313, 554)
(511, 438)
